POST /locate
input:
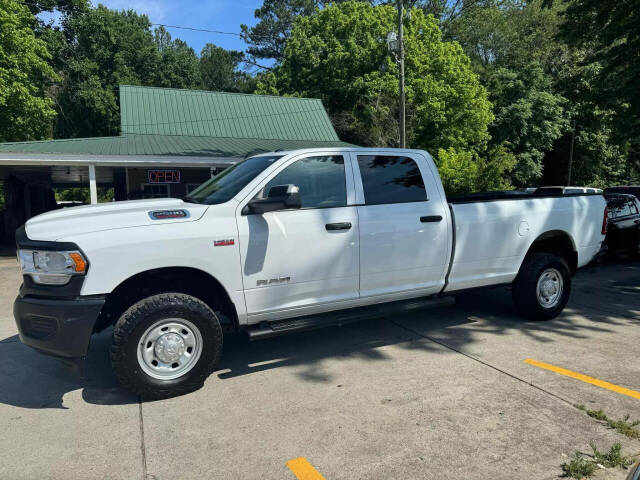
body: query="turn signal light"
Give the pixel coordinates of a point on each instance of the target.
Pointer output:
(79, 265)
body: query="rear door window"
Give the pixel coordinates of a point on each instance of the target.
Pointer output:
(620, 208)
(391, 179)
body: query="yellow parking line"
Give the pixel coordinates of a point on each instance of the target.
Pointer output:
(303, 470)
(578, 376)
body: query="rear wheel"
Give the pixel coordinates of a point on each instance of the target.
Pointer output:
(166, 345)
(542, 288)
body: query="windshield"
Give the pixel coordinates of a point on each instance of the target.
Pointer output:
(224, 186)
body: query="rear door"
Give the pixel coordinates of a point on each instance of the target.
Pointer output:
(404, 237)
(301, 261)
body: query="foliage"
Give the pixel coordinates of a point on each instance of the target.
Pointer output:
(611, 459)
(99, 49)
(528, 115)
(81, 194)
(578, 467)
(65, 7)
(458, 171)
(104, 49)
(582, 467)
(339, 55)
(178, 65)
(220, 70)
(559, 93)
(495, 167)
(624, 426)
(463, 172)
(268, 37)
(25, 111)
(609, 33)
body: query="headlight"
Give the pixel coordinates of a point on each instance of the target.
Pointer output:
(51, 268)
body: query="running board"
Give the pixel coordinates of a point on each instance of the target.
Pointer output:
(342, 317)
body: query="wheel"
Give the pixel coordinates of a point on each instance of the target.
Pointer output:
(542, 288)
(166, 345)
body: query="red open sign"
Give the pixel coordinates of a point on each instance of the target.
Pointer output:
(163, 176)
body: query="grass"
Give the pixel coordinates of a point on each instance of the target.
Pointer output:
(611, 459)
(578, 467)
(625, 426)
(581, 466)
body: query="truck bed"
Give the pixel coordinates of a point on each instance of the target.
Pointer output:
(492, 232)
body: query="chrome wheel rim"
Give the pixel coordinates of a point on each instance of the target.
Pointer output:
(169, 348)
(549, 288)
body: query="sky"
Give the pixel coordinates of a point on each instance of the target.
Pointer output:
(222, 15)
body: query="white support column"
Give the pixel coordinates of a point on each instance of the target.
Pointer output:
(93, 189)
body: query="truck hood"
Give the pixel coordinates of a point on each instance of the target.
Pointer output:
(66, 222)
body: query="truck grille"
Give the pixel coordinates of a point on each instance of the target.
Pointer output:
(38, 327)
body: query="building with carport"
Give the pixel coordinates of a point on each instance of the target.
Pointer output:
(171, 141)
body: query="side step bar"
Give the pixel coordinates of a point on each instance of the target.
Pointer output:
(341, 317)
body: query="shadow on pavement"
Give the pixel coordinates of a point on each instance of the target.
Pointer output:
(600, 300)
(29, 379)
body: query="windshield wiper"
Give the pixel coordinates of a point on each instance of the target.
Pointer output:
(190, 199)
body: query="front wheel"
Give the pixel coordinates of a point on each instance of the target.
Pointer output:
(166, 345)
(542, 288)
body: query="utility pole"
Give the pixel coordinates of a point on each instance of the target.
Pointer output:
(573, 137)
(403, 137)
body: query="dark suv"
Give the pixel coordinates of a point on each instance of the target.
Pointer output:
(629, 190)
(623, 232)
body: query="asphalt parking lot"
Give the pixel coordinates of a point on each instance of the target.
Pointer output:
(432, 393)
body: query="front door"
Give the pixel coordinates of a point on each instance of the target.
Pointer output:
(404, 240)
(298, 261)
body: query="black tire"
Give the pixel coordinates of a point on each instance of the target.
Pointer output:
(524, 291)
(130, 328)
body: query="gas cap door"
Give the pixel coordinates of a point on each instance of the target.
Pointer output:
(523, 228)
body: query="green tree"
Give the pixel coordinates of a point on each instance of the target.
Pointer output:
(25, 110)
(600, 148)
(178, 66)
(65, 7)
(463, 172)
(104, 48)
(609, 33)
(81, 194)
(267, 39)
(529, 117)
(544, 84)
(339, 54)
(220, 70)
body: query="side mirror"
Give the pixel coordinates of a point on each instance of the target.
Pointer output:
(279, 197)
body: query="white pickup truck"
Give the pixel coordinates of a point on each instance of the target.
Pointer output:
(282, 242)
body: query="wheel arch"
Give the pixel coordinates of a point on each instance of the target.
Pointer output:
(187, 280)
(557, 242)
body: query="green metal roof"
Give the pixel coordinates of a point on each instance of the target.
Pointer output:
(195, 113)
(174, 145)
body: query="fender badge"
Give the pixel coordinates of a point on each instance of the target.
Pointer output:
(167, 214)
(224, 243)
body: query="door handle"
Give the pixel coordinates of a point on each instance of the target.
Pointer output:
(338, 226)
(431, 219)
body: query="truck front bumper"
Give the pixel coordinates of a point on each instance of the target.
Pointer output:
(59, 327)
